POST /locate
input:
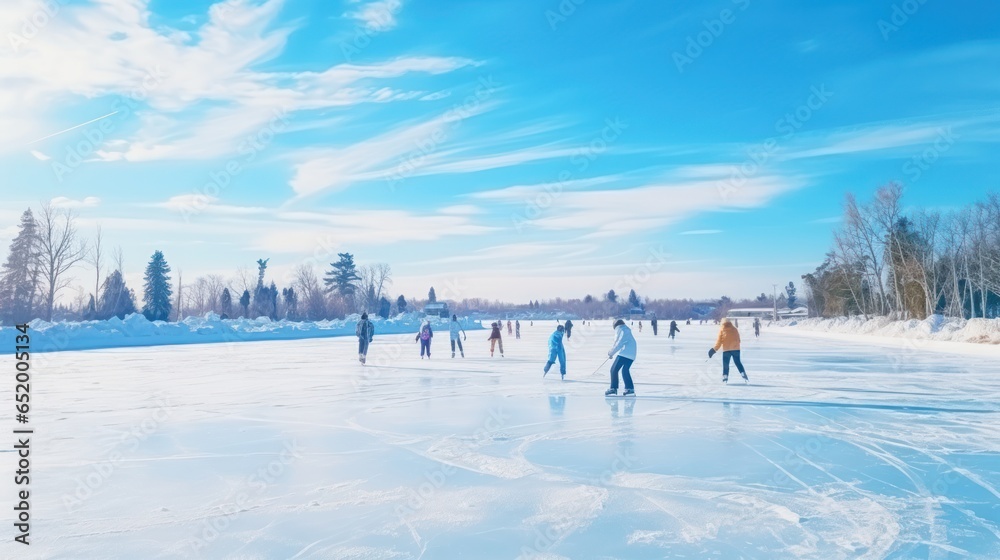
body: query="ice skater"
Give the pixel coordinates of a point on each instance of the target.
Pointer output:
(623, 352)
(455, 328)
(729, 343)
(365, 332)
(640, 326)
(569, 329)
(424, 337)
(674, 330)
(756, 328)
(656, 325)
(510, 328)
(557, 350)
(496, 338)
(517, 329)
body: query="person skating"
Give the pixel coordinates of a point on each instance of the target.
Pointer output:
(424, 338)
(365, 332)
(756, 327)
(729, 343)
(674, 330)
(656, 325)
(624, 353)
(510, 327)
(455, 328)
(569, 329)
(640, 326)
(496, 338)
(557, 350)
(517, 329)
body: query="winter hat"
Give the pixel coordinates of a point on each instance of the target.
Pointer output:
(364, 316)
(726, 321)
(454, 317)
(560, 328)
(619, 323)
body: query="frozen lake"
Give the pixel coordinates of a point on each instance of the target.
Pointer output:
(292, 450)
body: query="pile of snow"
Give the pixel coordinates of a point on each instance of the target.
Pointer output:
(935, 327)
(135, 330)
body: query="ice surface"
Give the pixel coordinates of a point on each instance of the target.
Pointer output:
(291, 449)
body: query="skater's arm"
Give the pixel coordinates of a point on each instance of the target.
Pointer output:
(720, 342)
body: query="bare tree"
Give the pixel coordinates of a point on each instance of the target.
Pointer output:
(97, 261)
(59, 251)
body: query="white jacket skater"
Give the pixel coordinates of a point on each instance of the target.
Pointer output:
(624, 352)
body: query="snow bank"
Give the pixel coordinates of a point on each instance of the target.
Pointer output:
(935, 327)
(135, 330)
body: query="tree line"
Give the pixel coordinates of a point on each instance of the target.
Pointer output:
(888, 261)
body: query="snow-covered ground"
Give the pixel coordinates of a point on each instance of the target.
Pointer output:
(935, 328)
(135, 330)
(290, 449)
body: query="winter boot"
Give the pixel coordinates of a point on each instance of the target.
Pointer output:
(629, 393)
(611, 392)
(725, 380)
(746, 379)
(453, 355)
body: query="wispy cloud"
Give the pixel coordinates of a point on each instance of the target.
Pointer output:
(69, 203)
(377, 15)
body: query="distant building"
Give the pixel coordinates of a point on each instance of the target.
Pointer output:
(767, 313)
(636, 313)
(437, 309)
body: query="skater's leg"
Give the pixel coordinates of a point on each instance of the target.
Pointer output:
(552, 359)
(739, 364)
(726, 357)
(500, 343)
(627, 373)
(615, 368)
(562, 362)
(460, 349)
(453, 347)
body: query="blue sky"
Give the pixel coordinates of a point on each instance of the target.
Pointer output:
(512, 149)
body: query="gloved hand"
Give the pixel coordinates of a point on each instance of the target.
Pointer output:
(711, 353)
(610, 355)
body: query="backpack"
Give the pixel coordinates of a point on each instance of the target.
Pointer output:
(425, 333)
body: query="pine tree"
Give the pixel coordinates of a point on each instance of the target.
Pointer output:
(19, 277)
(227, 304)
(116, 299)
(90, 313)
(633, 300)
(343, 276)
(272, 301)
(157, 293)
(245, 302)
(432, 296)
(384, 308)
(291, 303)
(792, 299)
(612, 296)
(401, 304)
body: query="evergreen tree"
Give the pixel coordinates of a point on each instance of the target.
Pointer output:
(116, 299)
(245, 302)
(157, 293)
(19, 284)
(343, 276)
(401, 304)
(792, 299)
(272, 302)
(384, 307)
(432, 296)
(612, 296)
(90, 313)
(633, 300)
(291, 303)
(227, 304)
(589, 299)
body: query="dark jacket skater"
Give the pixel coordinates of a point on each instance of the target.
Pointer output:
(569, 329)
(365, 332)
(656, 326)
(673, 329)
(496, 337)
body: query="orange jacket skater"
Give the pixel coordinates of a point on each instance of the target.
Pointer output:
(729, 343)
